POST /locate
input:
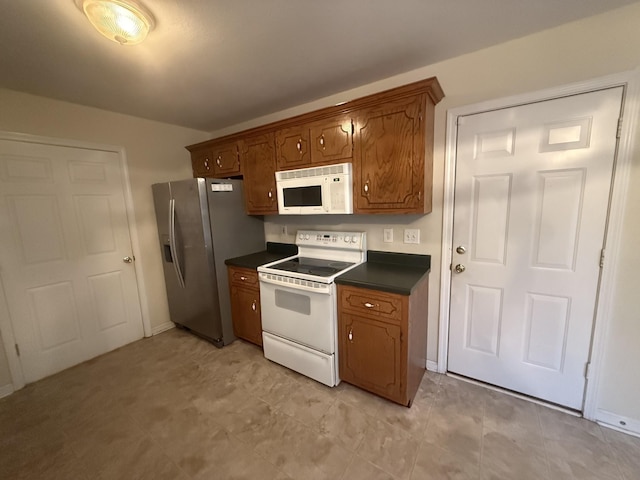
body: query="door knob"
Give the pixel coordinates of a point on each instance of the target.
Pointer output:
(127, 259)
(461, 250)
(459, 268)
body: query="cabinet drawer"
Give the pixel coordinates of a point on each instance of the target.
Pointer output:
(371, 302)
(243, 277)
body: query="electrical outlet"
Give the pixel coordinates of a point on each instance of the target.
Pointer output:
(283, 230)
(411, 235)
(387, 235)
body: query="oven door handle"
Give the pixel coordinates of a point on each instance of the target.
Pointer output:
(324, 289)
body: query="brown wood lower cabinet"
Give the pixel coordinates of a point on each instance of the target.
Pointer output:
(245, 304)
(383, 340)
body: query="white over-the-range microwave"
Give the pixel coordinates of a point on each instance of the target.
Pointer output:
(315, 190)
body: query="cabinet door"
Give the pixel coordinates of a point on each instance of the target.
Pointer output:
(259, 166)
(292, 148)
(370, 355)
(389, 158)
(201, 163)
(331, 140)
(226, 161)
(245, 313)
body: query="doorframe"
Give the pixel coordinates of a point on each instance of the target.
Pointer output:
(620, 177)
(6, 330)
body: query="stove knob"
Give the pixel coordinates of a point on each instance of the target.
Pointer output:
(354, 239)
(306, 237)
(301, 236)
(346, 238)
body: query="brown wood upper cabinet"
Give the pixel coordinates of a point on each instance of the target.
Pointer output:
(226, 160)
(388, 136)
(259, 168)
(318, 143)
(331, 140)
(391, 172)
(292, 148)
(219, 161)
(201, 163)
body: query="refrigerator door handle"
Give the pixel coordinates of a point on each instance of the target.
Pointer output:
(172, 241)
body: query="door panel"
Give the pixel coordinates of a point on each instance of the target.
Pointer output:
(389, 156)
(531, 201)
(259, 160)
(64, 232)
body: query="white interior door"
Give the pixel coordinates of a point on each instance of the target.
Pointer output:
(64, 234)
(531, 201)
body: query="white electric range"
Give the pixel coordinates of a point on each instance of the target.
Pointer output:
(298, 302)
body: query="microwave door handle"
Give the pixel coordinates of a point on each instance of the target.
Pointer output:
(326, 200)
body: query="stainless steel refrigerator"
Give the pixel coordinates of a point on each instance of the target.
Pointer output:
(201, 222)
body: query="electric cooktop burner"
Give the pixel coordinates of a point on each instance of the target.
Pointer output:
(312, 266)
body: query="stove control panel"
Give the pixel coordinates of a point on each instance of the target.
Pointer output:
(343, 240)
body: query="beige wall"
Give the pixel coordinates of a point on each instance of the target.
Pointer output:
(581, 50)
(590, 48)
(155, 153)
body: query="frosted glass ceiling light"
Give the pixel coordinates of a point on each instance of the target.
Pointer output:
(123, 21)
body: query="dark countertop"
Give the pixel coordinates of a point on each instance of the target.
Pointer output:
(388, 272)
(275, 251)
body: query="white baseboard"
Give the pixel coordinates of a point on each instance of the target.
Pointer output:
(6, 390)
(163, 327)
(432, 366)
(618, 422)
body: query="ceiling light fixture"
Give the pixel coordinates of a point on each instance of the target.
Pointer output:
(123, 21)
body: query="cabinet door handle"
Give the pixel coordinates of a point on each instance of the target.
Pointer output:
(270, 195)
(218, 161)
(350, 336)
(369, 305)
(366, 187)
(253, 306)
(299, 145)
(322, 141)
(243, 278)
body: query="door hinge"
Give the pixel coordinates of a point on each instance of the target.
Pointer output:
(587, 370)
(619, 131)
(602, 258)
(17, 349)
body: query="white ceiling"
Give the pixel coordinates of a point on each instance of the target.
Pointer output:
(214, 63)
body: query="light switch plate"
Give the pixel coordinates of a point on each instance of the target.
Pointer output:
(387, 235)
(411, 235)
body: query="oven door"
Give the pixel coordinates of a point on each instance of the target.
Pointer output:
(298, 310)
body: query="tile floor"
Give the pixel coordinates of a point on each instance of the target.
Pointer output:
(175, 407)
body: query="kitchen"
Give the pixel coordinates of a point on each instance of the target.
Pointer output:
(152, 150)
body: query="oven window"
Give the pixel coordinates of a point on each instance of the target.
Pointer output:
(293, 301)
(303, 196)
